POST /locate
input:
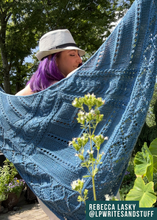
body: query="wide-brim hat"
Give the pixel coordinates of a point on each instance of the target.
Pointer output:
(57, 41)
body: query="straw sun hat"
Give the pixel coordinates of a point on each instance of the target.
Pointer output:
(56, 41)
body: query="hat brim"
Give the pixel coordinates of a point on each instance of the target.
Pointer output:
(42, 54)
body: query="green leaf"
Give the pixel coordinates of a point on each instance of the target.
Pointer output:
(79, 199)
(81, 156)
(142, 193)
(85, 191)
(153, 150)
(95, 171)
(2, 197)
(84, 165)
(86, 176)
(155, 187)
(143, 162)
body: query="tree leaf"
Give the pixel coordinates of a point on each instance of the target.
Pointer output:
(143, 162)
(142, 193)
(153, 150)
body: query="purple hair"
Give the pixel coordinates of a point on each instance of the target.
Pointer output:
(46, 73)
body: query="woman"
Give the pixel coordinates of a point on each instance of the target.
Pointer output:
(58, 56)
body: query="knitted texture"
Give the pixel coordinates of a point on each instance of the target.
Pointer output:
(35, 130)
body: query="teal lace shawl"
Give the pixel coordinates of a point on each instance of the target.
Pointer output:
(35, 130)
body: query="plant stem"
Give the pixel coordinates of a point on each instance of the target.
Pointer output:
(94, 193)
(93, 181)
(82, 197)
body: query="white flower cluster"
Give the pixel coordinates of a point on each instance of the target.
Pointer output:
(77, 183)
(90, 151)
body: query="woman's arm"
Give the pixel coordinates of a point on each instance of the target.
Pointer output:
(26, 91)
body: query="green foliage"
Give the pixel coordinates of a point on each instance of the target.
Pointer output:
(145, 185)
(151, 115)
(89, 117)
(128, 180)
(144, 163)
(153, 150)
(144, 193)
(7, 173)
(78, 186)
(8, 182)
(15, 186)
(149, 130)
(21, 23)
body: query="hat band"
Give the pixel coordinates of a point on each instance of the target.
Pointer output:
(64, 45)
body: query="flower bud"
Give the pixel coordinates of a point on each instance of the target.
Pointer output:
(81, 157)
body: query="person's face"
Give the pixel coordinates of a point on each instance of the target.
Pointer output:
(68, 61)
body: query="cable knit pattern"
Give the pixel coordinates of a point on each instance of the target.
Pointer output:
(35, 130)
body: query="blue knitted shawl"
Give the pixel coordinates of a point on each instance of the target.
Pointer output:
(35, 130)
